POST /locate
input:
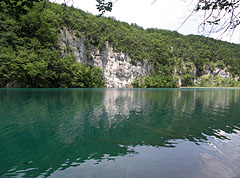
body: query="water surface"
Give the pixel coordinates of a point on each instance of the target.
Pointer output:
(117, 133)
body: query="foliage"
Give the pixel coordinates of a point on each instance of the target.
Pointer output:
(222, 15)
(16, 7)
(155, 81)
(187, 80)
(210, 81)
(216, 8)
(31, 57)
(103, 6)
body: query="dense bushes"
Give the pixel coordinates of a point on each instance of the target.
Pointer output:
(156, 81)
(210, 81)
(161, 48)
(187, 80)
(30, 55)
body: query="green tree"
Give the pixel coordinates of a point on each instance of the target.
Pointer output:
(17, 7)
(30, 54)
(213, 13)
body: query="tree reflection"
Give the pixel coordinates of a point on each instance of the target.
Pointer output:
(54, 129)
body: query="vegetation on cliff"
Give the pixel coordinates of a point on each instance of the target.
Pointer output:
(30, 55)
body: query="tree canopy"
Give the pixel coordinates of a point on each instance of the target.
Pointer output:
(223, 15)
(17, 7)
(30, 54)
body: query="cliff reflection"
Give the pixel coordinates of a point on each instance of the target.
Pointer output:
(67, 127)
(156, 116)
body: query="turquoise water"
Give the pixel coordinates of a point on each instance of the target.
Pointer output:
(120, 133)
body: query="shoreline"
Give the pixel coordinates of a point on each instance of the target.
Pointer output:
(212, 87)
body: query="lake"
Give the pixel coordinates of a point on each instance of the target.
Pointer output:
(120, 133)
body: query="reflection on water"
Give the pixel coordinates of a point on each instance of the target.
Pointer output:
(119, 133)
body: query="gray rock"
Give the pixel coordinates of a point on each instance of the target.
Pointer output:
(118, 71)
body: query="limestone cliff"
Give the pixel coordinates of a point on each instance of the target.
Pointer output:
(118, 69)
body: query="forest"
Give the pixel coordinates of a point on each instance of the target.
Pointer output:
(30, 55)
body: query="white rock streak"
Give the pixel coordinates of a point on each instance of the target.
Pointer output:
(118, 71)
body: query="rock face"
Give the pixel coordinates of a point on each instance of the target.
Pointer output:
(118, 71)
(118, 68)
(222, 73)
